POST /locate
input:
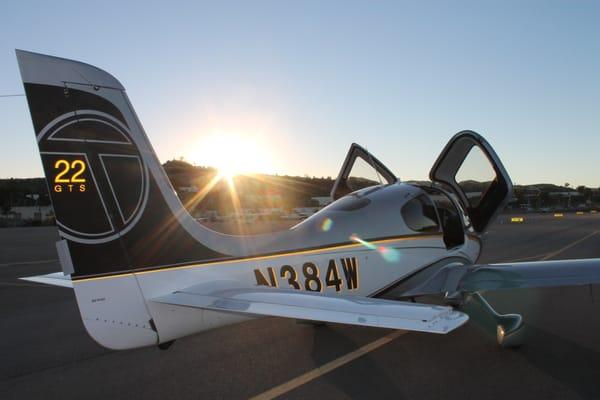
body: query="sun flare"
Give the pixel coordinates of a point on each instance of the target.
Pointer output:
(232, 154)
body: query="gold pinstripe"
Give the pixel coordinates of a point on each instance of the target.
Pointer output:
(268, 257)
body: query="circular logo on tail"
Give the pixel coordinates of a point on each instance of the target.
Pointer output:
(97, 177)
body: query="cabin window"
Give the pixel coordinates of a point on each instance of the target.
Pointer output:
(419, 215)
(450, 219)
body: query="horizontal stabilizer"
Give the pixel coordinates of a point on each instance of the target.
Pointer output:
(354, 310)
(54, 279)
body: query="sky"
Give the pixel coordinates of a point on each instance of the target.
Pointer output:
(298, 82)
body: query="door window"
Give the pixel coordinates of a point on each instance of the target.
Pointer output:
(360, 170)
(362, 175)
(475, 176)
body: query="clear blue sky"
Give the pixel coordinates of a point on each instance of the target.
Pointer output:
(312, 77)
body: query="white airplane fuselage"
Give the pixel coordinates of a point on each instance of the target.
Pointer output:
(365, 267)
(145, 272)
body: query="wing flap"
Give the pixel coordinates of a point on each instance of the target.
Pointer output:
(352, 310)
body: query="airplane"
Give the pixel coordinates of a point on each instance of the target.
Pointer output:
(145, 273)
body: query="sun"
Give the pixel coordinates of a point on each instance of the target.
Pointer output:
(232, 154)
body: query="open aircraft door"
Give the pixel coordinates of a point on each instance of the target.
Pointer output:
(470, 168)
(359, 162)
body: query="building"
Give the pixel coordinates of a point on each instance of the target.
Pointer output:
(29, 214)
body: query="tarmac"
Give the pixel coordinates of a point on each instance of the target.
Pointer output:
(46, 352)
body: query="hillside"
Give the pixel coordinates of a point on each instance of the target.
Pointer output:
(253, 191)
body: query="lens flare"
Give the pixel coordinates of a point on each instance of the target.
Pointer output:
(389, 254)
(326, 224)
(368, 245)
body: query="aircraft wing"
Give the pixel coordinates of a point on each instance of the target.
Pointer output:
(354, 310)
(477, 277)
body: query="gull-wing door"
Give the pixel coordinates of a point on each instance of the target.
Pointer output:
(469, 167)
(360, 169)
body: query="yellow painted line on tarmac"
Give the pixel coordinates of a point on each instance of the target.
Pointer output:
(546, 256)
(567, 247)
(328, 367)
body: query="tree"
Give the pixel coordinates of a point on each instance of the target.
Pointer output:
(544, 199)
(587, 195)
(4, 201)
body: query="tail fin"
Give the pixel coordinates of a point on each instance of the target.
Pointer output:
(114, 205)
(116, 210)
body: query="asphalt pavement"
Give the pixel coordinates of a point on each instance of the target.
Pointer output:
(46, 352)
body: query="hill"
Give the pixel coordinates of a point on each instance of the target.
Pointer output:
(256, 191)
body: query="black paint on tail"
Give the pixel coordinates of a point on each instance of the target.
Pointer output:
(107, 202)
